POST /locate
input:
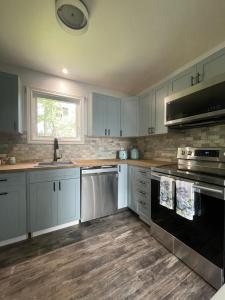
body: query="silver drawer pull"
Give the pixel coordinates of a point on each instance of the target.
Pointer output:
(3, 179)
(142, 182)
(207, 189)
(143, 193)
(3, 194)
(142, 202)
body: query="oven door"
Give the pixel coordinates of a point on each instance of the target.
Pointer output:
(205, 233)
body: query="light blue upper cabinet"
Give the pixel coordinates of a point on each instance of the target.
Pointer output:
(183, 80)
(212, 66)
(10, 112)
(129, 117)
(113, 116)
(98, 115)
(122, 185)
(147, 113)
(161, 92)
(104, 115)
(68, 200)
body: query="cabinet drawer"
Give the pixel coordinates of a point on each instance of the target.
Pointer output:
(142, 173)
(11, 179)
(50, 175)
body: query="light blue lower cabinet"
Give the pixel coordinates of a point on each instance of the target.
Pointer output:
(139, 196)
(68, 200)
(55, 201)
(12, 212)
(122, 185)
(43, 205)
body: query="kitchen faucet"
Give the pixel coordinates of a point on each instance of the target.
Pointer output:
(57, 154)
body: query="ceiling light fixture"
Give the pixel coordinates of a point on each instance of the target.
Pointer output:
(72, 15)
(65, 71)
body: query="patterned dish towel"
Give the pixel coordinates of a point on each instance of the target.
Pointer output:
(185, 199)
(167, 188)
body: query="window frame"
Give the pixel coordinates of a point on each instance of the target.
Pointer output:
(32, 137)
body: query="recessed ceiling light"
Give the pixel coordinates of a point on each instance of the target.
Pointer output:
(65, 71)
(72, 15)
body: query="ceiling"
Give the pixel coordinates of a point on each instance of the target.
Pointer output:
(129, 45)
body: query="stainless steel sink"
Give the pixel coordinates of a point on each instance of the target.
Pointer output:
(54, 163)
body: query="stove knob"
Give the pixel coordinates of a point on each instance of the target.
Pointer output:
(189, 152)
(183, 152)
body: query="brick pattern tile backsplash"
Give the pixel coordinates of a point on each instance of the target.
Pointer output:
(159, 147)
(164, 147)
(93, 148)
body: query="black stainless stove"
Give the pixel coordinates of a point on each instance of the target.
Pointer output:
(200, 242)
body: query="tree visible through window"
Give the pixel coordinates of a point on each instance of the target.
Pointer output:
(54, 115)
(56, 118)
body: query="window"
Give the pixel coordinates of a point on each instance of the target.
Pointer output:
(53, 115)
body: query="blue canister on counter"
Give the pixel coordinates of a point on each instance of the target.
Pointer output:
(134, 153)
(123, 154)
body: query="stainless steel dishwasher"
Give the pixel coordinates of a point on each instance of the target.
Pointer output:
(99, 192)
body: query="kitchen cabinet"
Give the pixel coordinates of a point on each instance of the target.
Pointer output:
(11, 106)
(139, 196)
(43, 205)
(68, 200)
(161, 92)
(183, 80)
(147, 113)
(13, 222)
(129, 117)
(54, 198)
(104, 115)
(122, 185)
(211, 66)
(132, 199)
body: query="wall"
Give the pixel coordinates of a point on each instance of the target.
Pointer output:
(164, 147)
(16, 145)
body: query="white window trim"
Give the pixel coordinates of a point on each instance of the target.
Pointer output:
(31, 118)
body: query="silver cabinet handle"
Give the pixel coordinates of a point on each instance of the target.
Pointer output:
(3, 180)
(105, 131)
(54, 186)
(121, 132)
(142, 182)
(108, 131)
(141, 192)
(59, 185)
(200, 187)
(192, 80)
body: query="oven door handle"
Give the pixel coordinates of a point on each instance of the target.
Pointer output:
(200, 187)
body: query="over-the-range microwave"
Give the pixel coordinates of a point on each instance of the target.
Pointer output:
(203, 103)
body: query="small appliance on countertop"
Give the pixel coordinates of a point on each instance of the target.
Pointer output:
(134, 153)
(123, 154)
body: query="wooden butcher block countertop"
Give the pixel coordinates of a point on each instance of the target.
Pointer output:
(31, 166)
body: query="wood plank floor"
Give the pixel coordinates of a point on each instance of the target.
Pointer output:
(110, 258)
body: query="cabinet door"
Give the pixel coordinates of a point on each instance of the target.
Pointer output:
(160, 94)
(9, 94)
(68, 200)
(13, 212)
(129, 117)
(212, 66)
(99, 107)
(122, 186)
(43, 205)
(132, 200)
(113, 116)
(144, 114)
(184, 80)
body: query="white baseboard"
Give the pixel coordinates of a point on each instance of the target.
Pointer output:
(14, 240)
(51, 229)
